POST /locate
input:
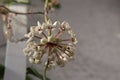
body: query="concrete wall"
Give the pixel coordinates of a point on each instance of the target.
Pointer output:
(97, 25)
(2, 42)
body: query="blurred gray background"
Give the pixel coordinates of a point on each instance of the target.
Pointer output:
(97, 25)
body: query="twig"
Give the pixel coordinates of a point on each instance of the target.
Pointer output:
(20, 13)
(4, 10)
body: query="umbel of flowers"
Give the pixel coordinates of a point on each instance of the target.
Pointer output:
(46, 39)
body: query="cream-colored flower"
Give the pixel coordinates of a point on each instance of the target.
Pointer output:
(42, 40)
(36, 55)
(31, 60)
(66, 25)
(37, 61)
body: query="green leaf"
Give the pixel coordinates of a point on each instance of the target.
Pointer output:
(2, 68)
(28, 77)
(35, 73)
(57, 6)
(7, 1)
(15, 1)
(23, 1)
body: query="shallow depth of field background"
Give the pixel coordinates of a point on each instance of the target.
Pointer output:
(97, 26)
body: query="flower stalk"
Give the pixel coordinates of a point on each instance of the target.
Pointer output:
(5, 11)
(48, 38)
(45, 70)
(46, 11)
(46, 20)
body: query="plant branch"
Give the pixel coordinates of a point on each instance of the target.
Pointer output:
(46, 11)
(20, 13)
(45, 70)
(4, 10)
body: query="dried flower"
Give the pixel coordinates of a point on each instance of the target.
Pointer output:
(47, 39)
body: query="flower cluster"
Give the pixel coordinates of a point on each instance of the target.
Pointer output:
(47, 39)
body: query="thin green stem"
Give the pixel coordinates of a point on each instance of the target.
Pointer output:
(46, 4)
(45, 70)
(46, 11)
(46, 65)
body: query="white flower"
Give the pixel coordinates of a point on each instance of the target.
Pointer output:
(61, 63)
(42, 39)
(27, 52)
(72, 34)
(64, 57)
(66, 25)
(39, 27)
(70, 48)
(31, 60)
(32, 29)
(37, 61)
(29, 35)
(74, 40)
(36, 55)
(51, 65)
(69, 53)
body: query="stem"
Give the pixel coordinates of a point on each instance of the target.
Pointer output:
(46, 66)
(44, 35)
(63, 51)
(20, 13)
(59, 34)
(66, 40)
(37, 37)
(45, 70)
(5, 10)
(46, 11)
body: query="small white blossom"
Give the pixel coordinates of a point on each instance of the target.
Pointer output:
(66, 25)
(64, 57)
(31, 60)
(74, 40)
(51, 65)
(37, 61)
(36, 55)
(32, 29)
(72, 34)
